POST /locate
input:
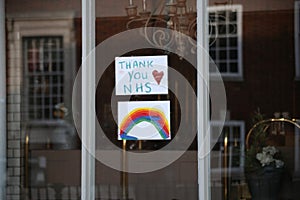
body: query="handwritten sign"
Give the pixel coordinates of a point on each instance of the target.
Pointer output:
(141, 75)
(144, 120)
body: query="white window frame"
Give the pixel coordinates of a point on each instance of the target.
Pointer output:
(41, 72)
(234, 172)
(297, 39)
(88, 165)
(239, 11)
(48, 24)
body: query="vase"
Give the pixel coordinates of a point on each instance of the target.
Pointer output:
(264, 184)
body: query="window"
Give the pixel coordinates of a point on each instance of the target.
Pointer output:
(230, 147)
(45, 44)
(225, 37)
(44, 76)
(297, 37)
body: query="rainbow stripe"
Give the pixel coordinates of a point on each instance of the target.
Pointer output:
(151, 115)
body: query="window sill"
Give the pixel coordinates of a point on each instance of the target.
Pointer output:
(237, 78)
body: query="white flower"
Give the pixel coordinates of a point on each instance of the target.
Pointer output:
(266, 157)
(270, 150)
(259, 156)
(279, 163)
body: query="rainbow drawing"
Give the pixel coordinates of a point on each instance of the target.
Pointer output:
(144, 114)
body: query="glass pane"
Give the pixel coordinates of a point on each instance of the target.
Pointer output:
(255, 46)
(227, 38)
(153, 113)
(43, 147)
(258, 148)
(150, 179)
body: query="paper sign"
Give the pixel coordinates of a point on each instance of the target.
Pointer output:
(144, 120)
(141, 75)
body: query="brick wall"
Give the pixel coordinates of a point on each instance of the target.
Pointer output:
(18, 27)
(14, 152)
(269, 67)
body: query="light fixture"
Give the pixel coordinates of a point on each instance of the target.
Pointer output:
(172, 15)
(177, 16)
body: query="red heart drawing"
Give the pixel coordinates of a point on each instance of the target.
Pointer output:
(158, 76)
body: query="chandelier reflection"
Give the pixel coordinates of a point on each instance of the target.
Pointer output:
(173, 15)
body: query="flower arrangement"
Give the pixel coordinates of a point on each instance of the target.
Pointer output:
(263, 163)
(259, 154)
(267, 157)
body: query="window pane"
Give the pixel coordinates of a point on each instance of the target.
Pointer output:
(261, 40)
(46, 52)
(42, 143)
(229, 32)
